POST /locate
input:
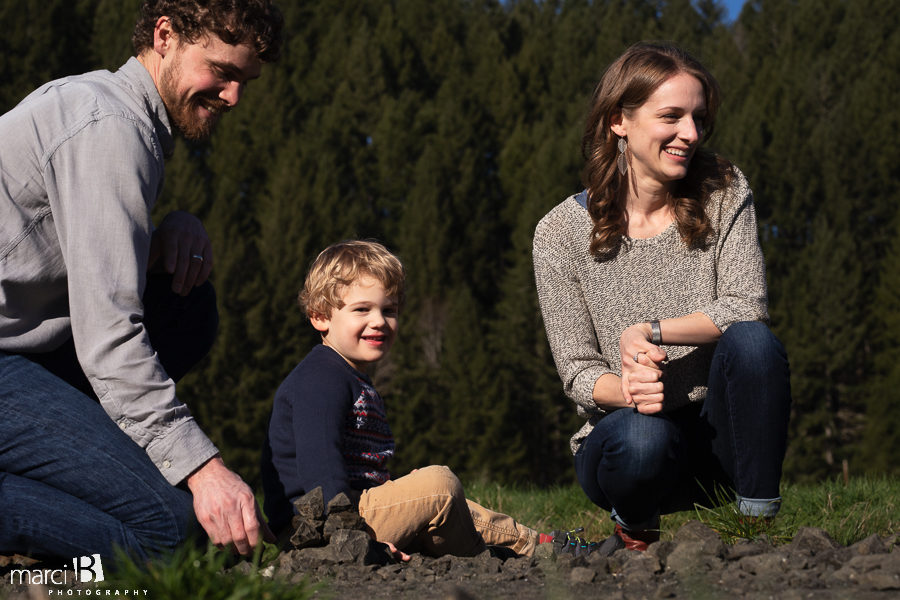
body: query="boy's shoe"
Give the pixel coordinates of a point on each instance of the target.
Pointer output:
(568, 542)
(629, 540)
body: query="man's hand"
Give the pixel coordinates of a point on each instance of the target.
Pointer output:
(184, 247)
(226, 508)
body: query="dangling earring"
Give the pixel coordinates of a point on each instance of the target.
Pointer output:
(621, 161)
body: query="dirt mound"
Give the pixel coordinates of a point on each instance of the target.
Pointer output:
(695, 564)
(338, 553)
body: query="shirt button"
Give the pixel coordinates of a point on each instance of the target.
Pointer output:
(167, 464)
(122, 425)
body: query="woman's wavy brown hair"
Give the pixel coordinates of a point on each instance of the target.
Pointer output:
(626, 85)
(257, 23)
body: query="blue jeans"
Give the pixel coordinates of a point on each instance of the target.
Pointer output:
(640, 466)
(71, 482)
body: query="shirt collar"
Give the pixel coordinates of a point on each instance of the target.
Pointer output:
(138, 78)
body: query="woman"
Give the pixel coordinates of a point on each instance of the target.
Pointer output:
(652, 286)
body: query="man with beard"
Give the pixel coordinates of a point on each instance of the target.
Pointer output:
(98, 305)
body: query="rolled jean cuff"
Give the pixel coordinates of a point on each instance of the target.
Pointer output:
(651, 524)
(759, 507)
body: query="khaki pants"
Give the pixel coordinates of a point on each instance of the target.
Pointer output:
(427, 511)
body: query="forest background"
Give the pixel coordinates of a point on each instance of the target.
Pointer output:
(446, 129)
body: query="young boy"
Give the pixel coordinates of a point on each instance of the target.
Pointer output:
(329, 426)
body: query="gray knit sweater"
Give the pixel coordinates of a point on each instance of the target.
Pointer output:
(587, 303)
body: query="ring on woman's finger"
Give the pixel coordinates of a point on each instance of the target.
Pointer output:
(636, 354)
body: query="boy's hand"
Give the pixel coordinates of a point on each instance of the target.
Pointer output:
(398, 554)
(226, 508)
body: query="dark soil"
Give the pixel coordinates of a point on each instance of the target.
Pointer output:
(696, 564)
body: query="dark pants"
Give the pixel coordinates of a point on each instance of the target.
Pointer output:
(640, 466)
(71, 482)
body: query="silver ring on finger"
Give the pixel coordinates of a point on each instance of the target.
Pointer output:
(197, 257)
(636, 355)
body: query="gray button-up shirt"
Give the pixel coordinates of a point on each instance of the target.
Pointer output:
(81, 164)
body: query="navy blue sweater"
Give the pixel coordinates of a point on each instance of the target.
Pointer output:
(328, 428)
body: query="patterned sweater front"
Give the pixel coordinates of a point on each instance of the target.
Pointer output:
(587, 303)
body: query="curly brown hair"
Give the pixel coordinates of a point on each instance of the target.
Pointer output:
(257, 23)
(627, 83)
(340, 265)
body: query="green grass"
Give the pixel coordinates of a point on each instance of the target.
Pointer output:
(849, 512)
(195, 573)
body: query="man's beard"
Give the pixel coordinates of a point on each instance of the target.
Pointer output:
(183, 109)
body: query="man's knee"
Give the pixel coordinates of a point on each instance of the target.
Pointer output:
(175, 524)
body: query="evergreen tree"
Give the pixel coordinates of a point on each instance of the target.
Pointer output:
(446, 130)
(881, 440)
(42, 40)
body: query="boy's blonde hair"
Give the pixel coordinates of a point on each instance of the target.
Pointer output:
(343, 263)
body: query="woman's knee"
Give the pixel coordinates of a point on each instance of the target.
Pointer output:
(642, 445)
(752, 345)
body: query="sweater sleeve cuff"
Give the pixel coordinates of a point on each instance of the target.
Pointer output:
(582, 391)
(723, 317)
(181, 451)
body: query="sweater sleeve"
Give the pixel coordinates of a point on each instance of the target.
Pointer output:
(567, 320)
(306, 432)
(740, 269)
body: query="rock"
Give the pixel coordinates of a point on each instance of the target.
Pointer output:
(813, 540)
(661, 550)
(341, 503)
(598, 562)
(543, 551)
(763, 565)
(342, 520)
(746, 548)
(582, 575)
(311, 506)
(880, 581)
(306, 534)
(694, 556)
(697, 548)
(487, 563)
(871, 545)
(641, 566)
(697, 532)
(349, 546)
(832, 559)
(443, 565)
(891, 541)
(309, 520)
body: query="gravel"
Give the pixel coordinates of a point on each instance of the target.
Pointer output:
(696, 563)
